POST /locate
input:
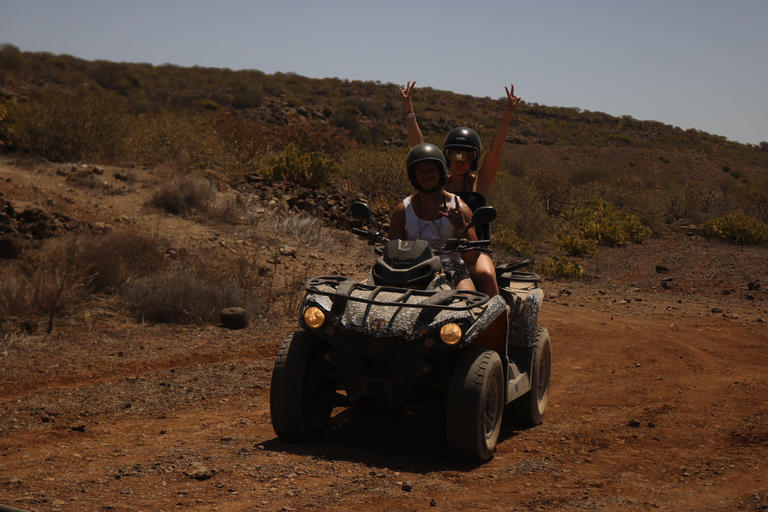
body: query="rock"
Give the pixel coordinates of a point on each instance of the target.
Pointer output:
(9, 248)
(717, 310)
(197, 471)
(660, 269)
(633, 423)
(234, 318)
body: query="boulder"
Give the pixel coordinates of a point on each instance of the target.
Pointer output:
(233, 318)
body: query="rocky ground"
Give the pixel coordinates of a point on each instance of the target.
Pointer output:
(657, 402)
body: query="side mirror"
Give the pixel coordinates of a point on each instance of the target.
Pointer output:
(483, 215)
(361, 211)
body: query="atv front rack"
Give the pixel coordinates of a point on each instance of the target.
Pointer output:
(374, 312)
(343, 287)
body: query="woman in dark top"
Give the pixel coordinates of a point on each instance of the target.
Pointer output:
(466, 174)
(462, 149)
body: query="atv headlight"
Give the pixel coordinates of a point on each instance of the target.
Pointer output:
(314, 317)
(450, 334)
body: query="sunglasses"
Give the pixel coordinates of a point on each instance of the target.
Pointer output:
(460, 155)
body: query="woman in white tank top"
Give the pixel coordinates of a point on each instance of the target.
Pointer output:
(432, 214)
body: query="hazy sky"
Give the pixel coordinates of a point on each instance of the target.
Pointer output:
(690, 63)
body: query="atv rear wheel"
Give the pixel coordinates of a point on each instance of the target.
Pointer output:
(301, 397)
(529, 409)
(475, 405)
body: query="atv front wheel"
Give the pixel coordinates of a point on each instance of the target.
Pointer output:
(529, 409)
(475, 405)
(301, 397)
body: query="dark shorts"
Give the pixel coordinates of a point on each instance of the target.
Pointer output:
(456, 272)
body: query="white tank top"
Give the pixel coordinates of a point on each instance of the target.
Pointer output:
(436, 232)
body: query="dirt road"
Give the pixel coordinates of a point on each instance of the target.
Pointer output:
(646, 413)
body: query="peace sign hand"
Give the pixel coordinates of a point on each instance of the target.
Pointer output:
(512, 100)
(406, 95)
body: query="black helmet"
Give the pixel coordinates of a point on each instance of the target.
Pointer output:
(464, 138)
(422, 152)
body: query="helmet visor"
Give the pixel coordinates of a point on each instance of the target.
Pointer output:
(460, 155)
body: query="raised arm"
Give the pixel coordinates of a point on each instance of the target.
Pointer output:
(414, 132)
(490, 166)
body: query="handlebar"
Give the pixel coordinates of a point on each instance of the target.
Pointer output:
(375, 237)
(461, 245)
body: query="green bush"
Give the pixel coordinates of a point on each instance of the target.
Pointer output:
(576, 245)
(561, 267)
(602, 223)
(313, 169)
(739, 229)
(508, 240)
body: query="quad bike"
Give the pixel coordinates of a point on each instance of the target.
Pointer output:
(407, 336)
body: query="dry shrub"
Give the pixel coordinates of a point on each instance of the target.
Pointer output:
(83, 125)
(514, 167)
(681, 201)
(121, 256)
(75, 271)
(585, 176)
(222, 142)
(520, 208)
(184, 141)
(86, 178)
(377, 173)
(553, 188)
(196, 288)
(180, 295)
(303, 228)
(309, 137)
(17, 289)
(244, 140)
(185, 194)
